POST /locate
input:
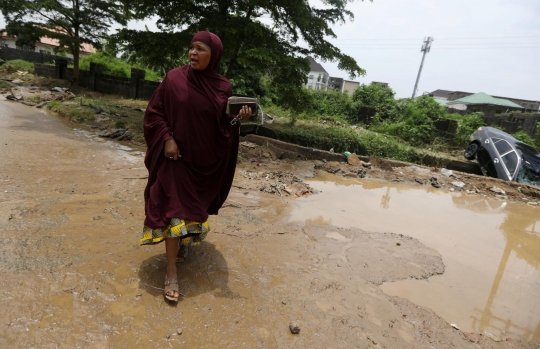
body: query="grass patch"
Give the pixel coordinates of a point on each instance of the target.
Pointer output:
(16, 65)
(72, 111)
(33, 99)
(359, 141)
(5, 84)
(114, 66)
(121, 112)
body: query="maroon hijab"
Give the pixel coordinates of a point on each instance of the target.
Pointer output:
(189, 105)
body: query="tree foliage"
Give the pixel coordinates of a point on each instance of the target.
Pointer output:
(253, 48)
(373, 101)
(71, 22)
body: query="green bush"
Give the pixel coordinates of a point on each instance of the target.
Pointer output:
(412, 120)
(372, 101)
(467, 125)
(346, 139)
(525, 138)
(114, 66)
(15, 65)
(331, 103)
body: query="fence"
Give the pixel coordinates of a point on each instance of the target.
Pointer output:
(8, 53)
(94, 79)
(511, 123)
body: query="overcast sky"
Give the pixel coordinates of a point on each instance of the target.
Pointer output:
(490, 46)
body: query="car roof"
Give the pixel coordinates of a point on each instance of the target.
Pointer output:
(522, 147)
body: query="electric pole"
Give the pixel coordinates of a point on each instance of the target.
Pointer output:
(426, 47)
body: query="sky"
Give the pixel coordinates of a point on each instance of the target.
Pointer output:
(490, 46)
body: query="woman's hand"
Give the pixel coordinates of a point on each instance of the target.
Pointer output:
(171, 150)
(245, 113)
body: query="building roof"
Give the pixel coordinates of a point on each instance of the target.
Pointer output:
(85, 47)
(483, 98)
(316, 66)
(441, 93)
(442, 102)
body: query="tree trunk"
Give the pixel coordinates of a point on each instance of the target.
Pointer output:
(76, 54)
(238, 46)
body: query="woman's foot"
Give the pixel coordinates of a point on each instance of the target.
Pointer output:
(171, 290)
(182, 253)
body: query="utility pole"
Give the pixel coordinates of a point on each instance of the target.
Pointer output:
(426, 47)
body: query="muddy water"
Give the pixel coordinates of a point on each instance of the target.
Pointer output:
(73, 275)
(490, 248)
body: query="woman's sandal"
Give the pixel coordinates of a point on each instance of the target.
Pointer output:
(182, 253)
(171, 287)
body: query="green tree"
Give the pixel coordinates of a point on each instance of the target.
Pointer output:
(373, 101)
(71, 22)
(277, 51)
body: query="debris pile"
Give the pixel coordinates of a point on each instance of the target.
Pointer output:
(120, 134)
(282, 183)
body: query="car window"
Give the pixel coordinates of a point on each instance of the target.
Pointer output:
(510, 160)
(502, 146)
(528, 176)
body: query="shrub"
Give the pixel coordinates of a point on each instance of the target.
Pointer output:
(412, 120)
(15, 65)
(372, 101)
(467, 125)
(525, 138)
(114, 66)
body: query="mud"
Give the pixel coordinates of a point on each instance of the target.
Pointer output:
(74, 276)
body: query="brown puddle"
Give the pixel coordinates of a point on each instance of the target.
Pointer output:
(74, 276)
(491, 248)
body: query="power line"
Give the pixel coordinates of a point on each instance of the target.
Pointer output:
(443, 48)
(462, 38)
(449, 44)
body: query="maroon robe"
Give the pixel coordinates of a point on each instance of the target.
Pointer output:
(189, 105)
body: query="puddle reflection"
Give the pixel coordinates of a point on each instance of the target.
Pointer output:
(489, 247)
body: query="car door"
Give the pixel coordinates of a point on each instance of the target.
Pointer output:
(508, 158)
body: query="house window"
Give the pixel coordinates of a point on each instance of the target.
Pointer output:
(311, 76)
(310, 87)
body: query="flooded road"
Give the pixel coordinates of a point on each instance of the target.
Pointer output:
(490, 248)
(74, 276)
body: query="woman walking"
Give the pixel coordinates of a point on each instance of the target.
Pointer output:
(191, 155)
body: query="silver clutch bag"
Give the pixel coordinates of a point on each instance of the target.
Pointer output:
(235, 104)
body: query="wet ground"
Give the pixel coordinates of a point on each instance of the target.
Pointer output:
(74, 276)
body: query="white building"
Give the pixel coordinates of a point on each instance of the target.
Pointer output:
(317, 77)
(342, 85)
(45, 44)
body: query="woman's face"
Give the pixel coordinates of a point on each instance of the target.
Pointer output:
(199, 55)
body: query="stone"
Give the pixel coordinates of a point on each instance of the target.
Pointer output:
(17, 81)
(353, 160)
(366, 164)
(294, 327)
(446, 172)
(458, 184)
(434, 182)
(179, 331)
(497, 190)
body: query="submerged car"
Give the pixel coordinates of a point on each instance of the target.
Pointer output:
(502, 156)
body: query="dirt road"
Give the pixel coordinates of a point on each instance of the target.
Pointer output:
(74, 276)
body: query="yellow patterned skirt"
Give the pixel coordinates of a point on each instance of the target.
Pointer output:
(190, 233)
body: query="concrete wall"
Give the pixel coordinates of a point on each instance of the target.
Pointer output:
(350, 86)
(45, 70)
(512, 123)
